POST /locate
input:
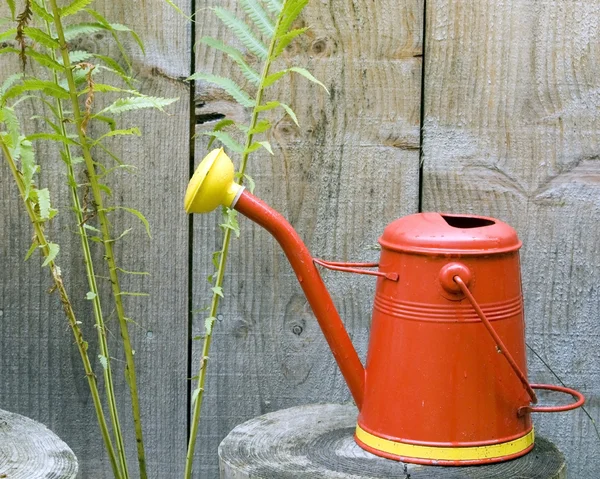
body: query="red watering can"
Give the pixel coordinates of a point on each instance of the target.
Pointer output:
(445, 380)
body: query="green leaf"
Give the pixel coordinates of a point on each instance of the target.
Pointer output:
(208, 324)
(249, 73)
(11, 6)
(274, 6)
(90, 295)
(44, 60)
(228, 85)
(261, 127)
(123, 28)
(43, 201)
(10, 81)
(41, 11)
(114, 67)
(218, 291)
(74, 7)
(136, 213)
(178, 10)
(272, 78)
(290, 112)
(30, 251)
(28, 166)
(78, 56)
(41, 37)
(242, 31)
(291, 11)
(8, 35)
(218, 127)
(226, 140)
(258, 16)
(135, 131)
(48, 87)
(306, 74)
(9, 118)
(137, 103)
(103, 361)
(266, 145)
(231, 221)
(130, 293)
(104, 22)
(286, 39)
(251, 183)
(52, 137)
(76, 29)
(195, 395)
(53, 250)
(270, 105)
(216, 258)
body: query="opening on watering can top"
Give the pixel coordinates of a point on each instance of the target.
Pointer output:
(467, 221)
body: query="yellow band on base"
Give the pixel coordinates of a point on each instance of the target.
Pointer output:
(466, 453)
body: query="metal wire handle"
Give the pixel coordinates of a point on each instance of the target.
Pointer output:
(354, 268)
(499, 344)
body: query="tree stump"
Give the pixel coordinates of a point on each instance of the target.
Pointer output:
(316, 441)
(29, 450)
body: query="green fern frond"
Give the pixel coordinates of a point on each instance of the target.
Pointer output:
(242, 31)
(41, 12)
(249, 73)
(12, 7)
(41, 37)
(78, 56)
(258, 16)
(8, 35)
(76, 29)
(136, 103)
(53, 250)
(226, 140)
(308, 75)
(286, 39)
(291, 11)
(274, 6)
(44, 59)
(74, 7)
(47, 87)
(10, 81)
(221, 124)
(52, 137)
(228, 85)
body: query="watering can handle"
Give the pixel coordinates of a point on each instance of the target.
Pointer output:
(529, 387)
(499, 344)
(354, 268)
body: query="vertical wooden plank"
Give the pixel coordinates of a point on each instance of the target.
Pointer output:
(350, 168)
(511, 130)
(40, 370)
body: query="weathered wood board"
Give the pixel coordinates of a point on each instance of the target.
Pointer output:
(511, 130)
(350, 168)
(40, 371)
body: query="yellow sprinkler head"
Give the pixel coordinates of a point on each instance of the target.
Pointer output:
(212, 184)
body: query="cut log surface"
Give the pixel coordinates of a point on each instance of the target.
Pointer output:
(29, 450)
(316, 441)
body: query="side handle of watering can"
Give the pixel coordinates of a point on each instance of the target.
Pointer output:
(455, 277)
(355, 268)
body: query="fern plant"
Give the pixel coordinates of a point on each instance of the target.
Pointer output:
(266, 31)
(66, 87)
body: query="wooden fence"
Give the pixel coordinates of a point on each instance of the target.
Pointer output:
(469, 106)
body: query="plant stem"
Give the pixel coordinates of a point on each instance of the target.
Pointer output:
(69, 312)
(109, 255)
(88, 261)
(222, 263)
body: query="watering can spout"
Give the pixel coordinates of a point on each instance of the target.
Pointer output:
(212, 185)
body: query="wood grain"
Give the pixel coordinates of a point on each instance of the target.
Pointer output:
(29, 449)
(350, 168)
(317, 441)
(511, 130)
(40, 371)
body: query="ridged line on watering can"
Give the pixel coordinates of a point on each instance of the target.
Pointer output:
(445, 380)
